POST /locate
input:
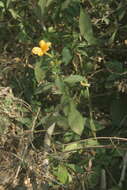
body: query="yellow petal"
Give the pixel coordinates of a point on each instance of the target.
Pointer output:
(41, 43)
(49, 44)
(44, 46)
(37, 51)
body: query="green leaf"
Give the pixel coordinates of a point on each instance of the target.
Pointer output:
(42, 6)
(68, 136)
(118, 110)
(85, 27)
(115, 66)
(73, 146)
(121, 10)
(88, 67)
(14, 13)
(65, 104)
(76, 168)
(113, 77)
(82, 145)
(1, 4)
(62, 174)
(73, 79)
(98, 126)
(112, 38)
(44, 88)
(65, 4)
(75, 119)
(115, 188)
(49, 2)
(23, 36)
(66, 55)
(60, 87)
(91, 142)
(94, 178)
(8, 2)
(62, 122)
(39, 72)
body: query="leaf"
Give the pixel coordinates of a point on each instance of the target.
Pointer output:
(112, 38)
(121, 10)
(73, 146)
(65, 4)
(8, 2)
(66, 110)
(82, 145)
(49, 2)
(94, 178)
(39, 72)
(85, 27)
(91, 142)
(62, 174)
(89, 67)
(75, 119)
(68, 136)
(43, 4)
(113, 77)
(66, 55)
(1, 4)
(14, 13)
(44, 88)
(73, 79)
(115, 66)
(60, 87)
(115, 188)
(118, 110)
(98, 126)
(76, 168)
(23, 36)
(62, 122)
(65, 99)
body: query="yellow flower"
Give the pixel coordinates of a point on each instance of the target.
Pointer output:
(37, 51)
(44, 47)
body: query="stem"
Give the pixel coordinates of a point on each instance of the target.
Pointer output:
(118, 139)
(49, 55)
(91, 113)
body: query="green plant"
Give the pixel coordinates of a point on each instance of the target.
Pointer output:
(76, 87)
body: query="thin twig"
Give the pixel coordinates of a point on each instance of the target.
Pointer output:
(99, 138)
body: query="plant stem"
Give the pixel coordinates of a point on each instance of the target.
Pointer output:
(91, 113)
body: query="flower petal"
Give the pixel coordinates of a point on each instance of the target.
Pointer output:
(41, 43)
(37, 51)
(44, 46)
(49, 44)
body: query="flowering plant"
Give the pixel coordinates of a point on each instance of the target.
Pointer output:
(44, 47)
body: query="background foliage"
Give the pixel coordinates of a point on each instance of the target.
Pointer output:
(81, 89)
